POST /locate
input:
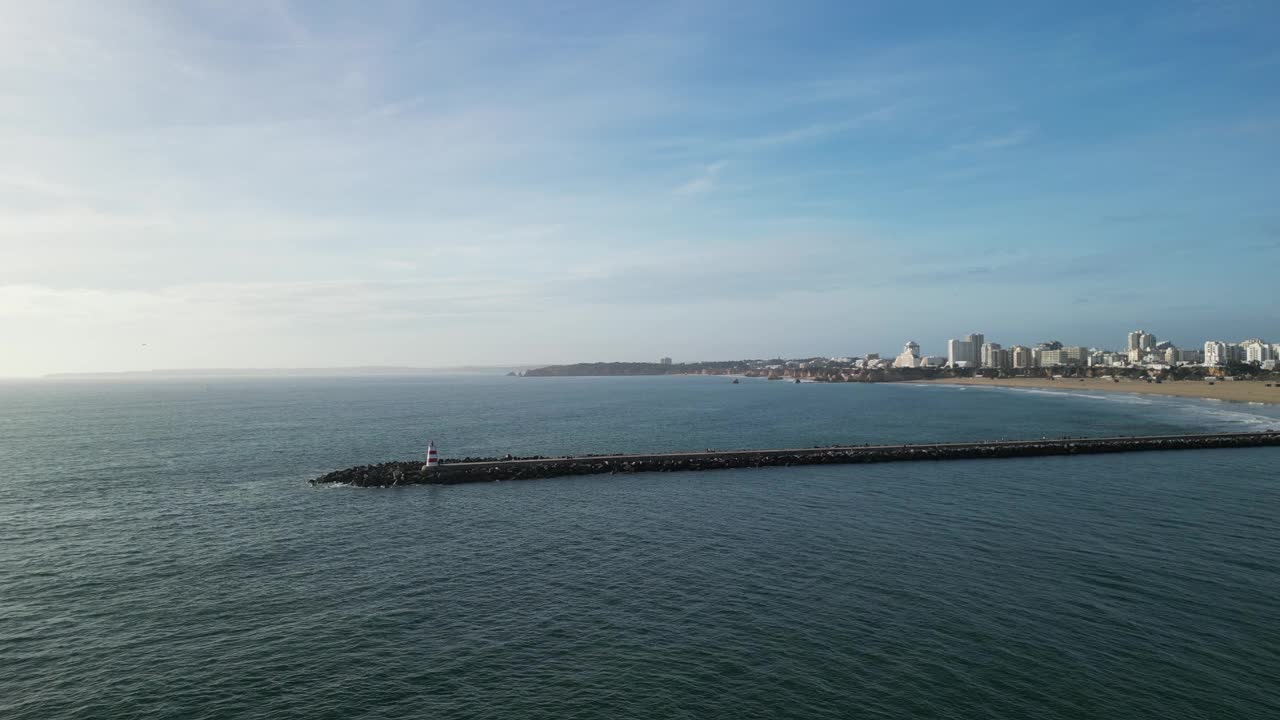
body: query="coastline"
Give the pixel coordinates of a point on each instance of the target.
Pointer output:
(1242, 391)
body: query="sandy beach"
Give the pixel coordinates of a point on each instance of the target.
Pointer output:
(1234, 391)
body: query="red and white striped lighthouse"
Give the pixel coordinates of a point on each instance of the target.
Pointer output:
(432, 460)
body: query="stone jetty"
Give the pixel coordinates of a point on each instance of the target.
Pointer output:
(470, 470)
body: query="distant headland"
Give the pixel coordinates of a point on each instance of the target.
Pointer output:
(1237, 383)
(619, 369)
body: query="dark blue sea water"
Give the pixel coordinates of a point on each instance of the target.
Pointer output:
(162, 556)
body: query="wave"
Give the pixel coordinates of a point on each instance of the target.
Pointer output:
(1104, 395)
(1198, 410)
(1209, 413)
(1126, 398)
(1230, 418)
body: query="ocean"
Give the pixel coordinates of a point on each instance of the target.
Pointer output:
(163, 556)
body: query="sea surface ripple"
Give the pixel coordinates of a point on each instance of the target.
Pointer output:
(161, 556)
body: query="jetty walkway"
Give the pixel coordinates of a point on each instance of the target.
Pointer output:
(392, 474)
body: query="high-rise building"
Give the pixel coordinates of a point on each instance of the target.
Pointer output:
(1020, 357)
(959, 353)
(1215, 353)
(1190, 356)
(1064, 356)
(966, 352)
(664, 361)
(1075, 356)
(1040, 349)
(1141, 340)
(990, 355)
(1257, 352)
(975, 341)
(1052, 358)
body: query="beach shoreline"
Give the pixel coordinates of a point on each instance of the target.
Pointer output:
(1242, 391)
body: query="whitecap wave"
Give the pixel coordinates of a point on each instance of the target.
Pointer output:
(1103, 395)
(1207, 413)
(1227, 418)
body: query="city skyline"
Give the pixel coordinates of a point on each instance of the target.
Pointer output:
(1140, 348)
(1151, 352)
(322, 184)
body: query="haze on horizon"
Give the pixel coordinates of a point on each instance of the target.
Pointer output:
(314, 184)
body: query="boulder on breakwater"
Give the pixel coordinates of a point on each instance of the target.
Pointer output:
(468, 470)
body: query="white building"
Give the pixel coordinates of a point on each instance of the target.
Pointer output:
(1106, 358)
(1064, 356)
(1020, 357)
(1190, 356)
(1257, 352)
(1141, 340)
(990, 355)
(976, 340)
(1053, 358)
(966, 352)
(1215, 353)
(910, 355)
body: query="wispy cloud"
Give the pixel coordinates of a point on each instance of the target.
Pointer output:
(1001, 141)
(818, 131)
(703, 182)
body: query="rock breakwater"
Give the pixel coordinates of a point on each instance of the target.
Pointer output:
(392, 474)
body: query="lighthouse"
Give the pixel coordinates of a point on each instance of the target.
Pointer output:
(432, 460)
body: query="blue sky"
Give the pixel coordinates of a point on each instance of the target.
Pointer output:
(311, 184)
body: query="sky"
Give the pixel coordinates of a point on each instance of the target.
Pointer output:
(275, 184)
